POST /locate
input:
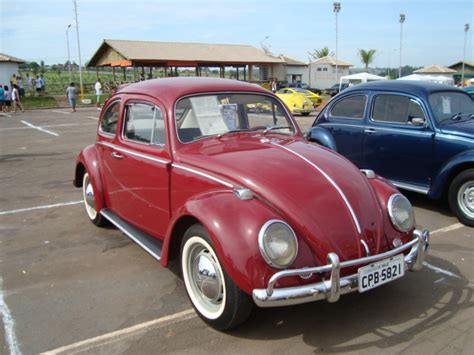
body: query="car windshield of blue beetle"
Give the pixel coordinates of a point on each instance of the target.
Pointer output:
(451, 107)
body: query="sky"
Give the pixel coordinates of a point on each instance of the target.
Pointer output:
(433, 32)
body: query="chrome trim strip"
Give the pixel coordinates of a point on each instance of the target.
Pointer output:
(131, 152)
(451, 136)
(130, 235)
(410, 187)
(329, 124)
(411, 130)
(331, 181)
(336, 286)
(366, 247)
(200, 173)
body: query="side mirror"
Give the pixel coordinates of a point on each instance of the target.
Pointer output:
(418, 121)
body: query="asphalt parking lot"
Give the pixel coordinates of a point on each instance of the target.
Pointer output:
(67, 286)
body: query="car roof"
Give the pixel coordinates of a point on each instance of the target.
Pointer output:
(170, 89)
(416, 88)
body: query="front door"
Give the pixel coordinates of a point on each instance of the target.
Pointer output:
(396, 146)
(345, 121)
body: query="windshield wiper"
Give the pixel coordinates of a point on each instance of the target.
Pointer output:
(236, 131)
(275, 128)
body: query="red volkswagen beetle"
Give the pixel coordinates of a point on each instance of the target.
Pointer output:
(217, 174)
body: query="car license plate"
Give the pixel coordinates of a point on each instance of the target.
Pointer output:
(381, 272)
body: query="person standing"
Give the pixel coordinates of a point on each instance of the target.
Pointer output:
(29, 84)
(98, 91)
(13, 80)
(2, 99)
(38, 85)
(274, 85)
(16, 99)
(8, 98)
(43, 85)
(20, 86)
(71, 93)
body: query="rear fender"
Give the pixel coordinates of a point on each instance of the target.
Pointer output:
(88, 161)
(233, 226)
(322, 136)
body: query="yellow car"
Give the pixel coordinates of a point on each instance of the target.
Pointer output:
(315, 98)
(297, 102)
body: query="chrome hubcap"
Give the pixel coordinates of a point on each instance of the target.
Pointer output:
(466, 198)
(88, 194)
(205, 276)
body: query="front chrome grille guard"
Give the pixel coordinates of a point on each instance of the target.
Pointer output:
(333, 288)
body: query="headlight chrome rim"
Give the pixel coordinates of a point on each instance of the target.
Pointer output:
(261, 244)
(393, 219)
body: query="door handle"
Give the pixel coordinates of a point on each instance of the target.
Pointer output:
(370, 131)
(117, 155)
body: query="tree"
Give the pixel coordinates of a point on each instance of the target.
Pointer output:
(320, 53)
(34, 67)
(367, 57)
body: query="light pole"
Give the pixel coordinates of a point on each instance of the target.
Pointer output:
(68, 53)
(466, 29)
(402, 20)
(79, 49)
(336, 9)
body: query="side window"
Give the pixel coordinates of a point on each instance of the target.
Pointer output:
(396, 109)
(108, 123)
(144, 123)
(350, 107)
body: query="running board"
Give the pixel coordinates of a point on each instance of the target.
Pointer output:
(152, 245)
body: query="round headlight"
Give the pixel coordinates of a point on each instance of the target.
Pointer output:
(401, 213)
(278, 244)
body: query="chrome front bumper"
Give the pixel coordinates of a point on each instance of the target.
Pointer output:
(336, 286)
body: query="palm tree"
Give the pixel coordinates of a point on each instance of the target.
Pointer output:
(320, 53)
(367, 57)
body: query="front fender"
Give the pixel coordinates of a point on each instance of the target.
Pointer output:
(453, 166)
(233, 226)
(88, 160)
(322, 136)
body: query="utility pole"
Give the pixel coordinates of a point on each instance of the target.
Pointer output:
(402, 20)
(68, 53)
(79, 49)
(336, 9)
(466, 29)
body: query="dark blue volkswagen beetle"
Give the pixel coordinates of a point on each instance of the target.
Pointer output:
(418, 135)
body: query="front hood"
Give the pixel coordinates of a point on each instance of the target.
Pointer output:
(323, 196)
(463, 129)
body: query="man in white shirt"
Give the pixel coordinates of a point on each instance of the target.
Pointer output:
(98, 91)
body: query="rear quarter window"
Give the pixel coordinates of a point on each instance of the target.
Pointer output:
(350, 107)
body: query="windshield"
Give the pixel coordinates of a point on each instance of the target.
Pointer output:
(451, 106)
(218, 114)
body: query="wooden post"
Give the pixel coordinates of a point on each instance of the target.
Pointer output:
(250, 72)
(124, 74)
(223, 71)
(151, 72)
(113, 74)
(97, 72)
(245, 73)
(237, 75)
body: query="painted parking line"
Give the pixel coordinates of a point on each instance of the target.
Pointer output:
(5, 114)
(48, 126)
(40, 129)
(8, 324)
(441, 271)
(63, 112)
(92, 117)
(119, 335)
(70, 203)
(447, 229)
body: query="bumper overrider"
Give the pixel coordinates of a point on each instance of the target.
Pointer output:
(336, 286)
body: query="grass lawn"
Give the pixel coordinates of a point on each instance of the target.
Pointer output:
(38, 102)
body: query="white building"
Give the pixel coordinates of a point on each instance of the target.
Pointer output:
(8, 67)
(291, 71)
(436, 69)
(322, 72)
